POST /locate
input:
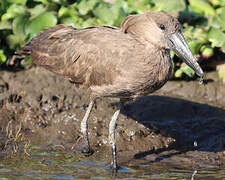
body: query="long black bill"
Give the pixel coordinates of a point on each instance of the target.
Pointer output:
(178, 44)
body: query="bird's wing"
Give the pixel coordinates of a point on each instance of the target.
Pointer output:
(87, 56)
(48, 48)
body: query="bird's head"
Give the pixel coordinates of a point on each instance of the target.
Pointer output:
(162, 31)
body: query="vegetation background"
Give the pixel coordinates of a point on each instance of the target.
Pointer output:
(203, 24)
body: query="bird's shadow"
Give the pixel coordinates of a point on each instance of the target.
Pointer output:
(183, 120)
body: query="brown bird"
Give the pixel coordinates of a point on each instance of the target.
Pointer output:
(127, 62)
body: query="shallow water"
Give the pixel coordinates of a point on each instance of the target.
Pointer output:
(46, 164)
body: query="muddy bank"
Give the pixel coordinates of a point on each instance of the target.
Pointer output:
(38, 107)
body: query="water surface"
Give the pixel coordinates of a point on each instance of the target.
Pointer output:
(48, 164)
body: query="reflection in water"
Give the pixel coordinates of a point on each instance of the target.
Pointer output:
(58, 165)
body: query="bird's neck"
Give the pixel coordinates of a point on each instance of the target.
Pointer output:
(160, 66)
(164, 65)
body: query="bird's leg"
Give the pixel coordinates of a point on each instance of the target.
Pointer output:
(112, 139)
(84, 129)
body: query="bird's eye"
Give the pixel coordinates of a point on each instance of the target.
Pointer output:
(161, 26)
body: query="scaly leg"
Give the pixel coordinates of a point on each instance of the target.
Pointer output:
(112, 139)
(84, 129)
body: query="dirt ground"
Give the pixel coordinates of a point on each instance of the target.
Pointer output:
(37, 107)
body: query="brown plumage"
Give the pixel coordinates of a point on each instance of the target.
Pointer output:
(126, 62)
(112, 62)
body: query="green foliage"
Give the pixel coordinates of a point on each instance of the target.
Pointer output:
(203, 20)
(204, 25)
(186, 70)
(169, 6)
(2, 56)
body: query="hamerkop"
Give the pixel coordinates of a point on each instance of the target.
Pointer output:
(127, 62)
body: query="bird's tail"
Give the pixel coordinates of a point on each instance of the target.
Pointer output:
(38, 47)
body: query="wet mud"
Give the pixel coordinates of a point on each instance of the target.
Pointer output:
(183, 123)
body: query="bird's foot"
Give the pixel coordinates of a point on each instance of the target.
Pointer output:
(114, 171)
(87, 151)
(115, 168)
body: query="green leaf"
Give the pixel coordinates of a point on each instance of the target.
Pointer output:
(119, 9)
(138, 6)
(13, 11)
(207, 51)
(196, 37)
(42, 21)
(63, 11)
(188, 71)
(18, 25)
(2, 56)
(199, 34)
(23, 2)
(219, 20)
(217, 38)
(37, 10)
(14, 41)
(184, 69)
(195, 34)
(195, 46)
(170, 6)
(178, 73)
(172, 54)
(89, 22)
(202, 6)
(222, 14)
(103, 12)
(85, 6)
(68, 22)
(5, 25)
